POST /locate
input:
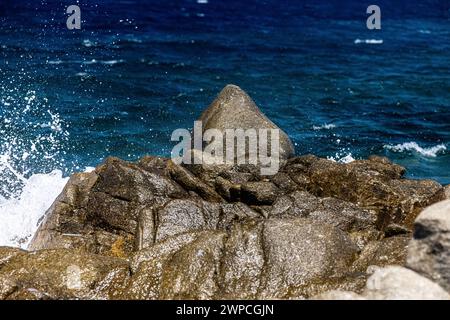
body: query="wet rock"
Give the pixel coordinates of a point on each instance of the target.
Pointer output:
(243, 262)
(234, 109)
(284, 182)
(299, 252)
(196, 279)
(177, 216)
(388, 251)
(296, 204)
(227, 189)
(182, 266)
(57, 274)
(344, 215)
(63, 225)
(98, 211)
(429, 251)
(232, 213)
(180, 216)
(255, 259)
(372, 184)
(190, 182)
(259, 193)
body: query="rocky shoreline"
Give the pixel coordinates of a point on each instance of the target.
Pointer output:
(317, 229)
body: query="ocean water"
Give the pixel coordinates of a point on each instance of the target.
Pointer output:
(137, 70)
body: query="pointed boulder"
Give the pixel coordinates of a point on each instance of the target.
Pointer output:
(234, 109)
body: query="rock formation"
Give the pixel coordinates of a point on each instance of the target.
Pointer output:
(393, 283)
(157, 230)
(429, 251)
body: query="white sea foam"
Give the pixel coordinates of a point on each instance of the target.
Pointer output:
(108, 62)
(20, 215)
(414, 147)
(55, 61)
(88, 43)
(369, 41)
(31, 160)
(324, 127)
(342, 158)
(88, 62)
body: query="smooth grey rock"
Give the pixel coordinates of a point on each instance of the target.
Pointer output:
(392, 283)
(429, 251)
(234, 109)
(398, 283)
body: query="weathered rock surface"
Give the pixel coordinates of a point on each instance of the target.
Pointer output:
(388, 251)
(429, 251)
(234, 109)
(157, 230)
(447, 192)
(99, 211)
(427, 256)
(260, 259)
(374, 184)
(59, 274)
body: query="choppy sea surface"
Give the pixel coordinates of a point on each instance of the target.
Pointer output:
(137, 70)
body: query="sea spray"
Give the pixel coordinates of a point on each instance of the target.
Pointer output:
(32, 150)
(20, 215)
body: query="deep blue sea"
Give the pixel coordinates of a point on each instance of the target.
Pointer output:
(137, 70)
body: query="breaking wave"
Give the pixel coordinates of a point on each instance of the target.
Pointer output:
(414, 147)
(31, 162)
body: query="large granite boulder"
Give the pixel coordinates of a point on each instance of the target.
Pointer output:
(429, 250)
(234, 109)
(259, 259)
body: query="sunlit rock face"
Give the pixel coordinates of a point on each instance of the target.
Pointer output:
(155, 229)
